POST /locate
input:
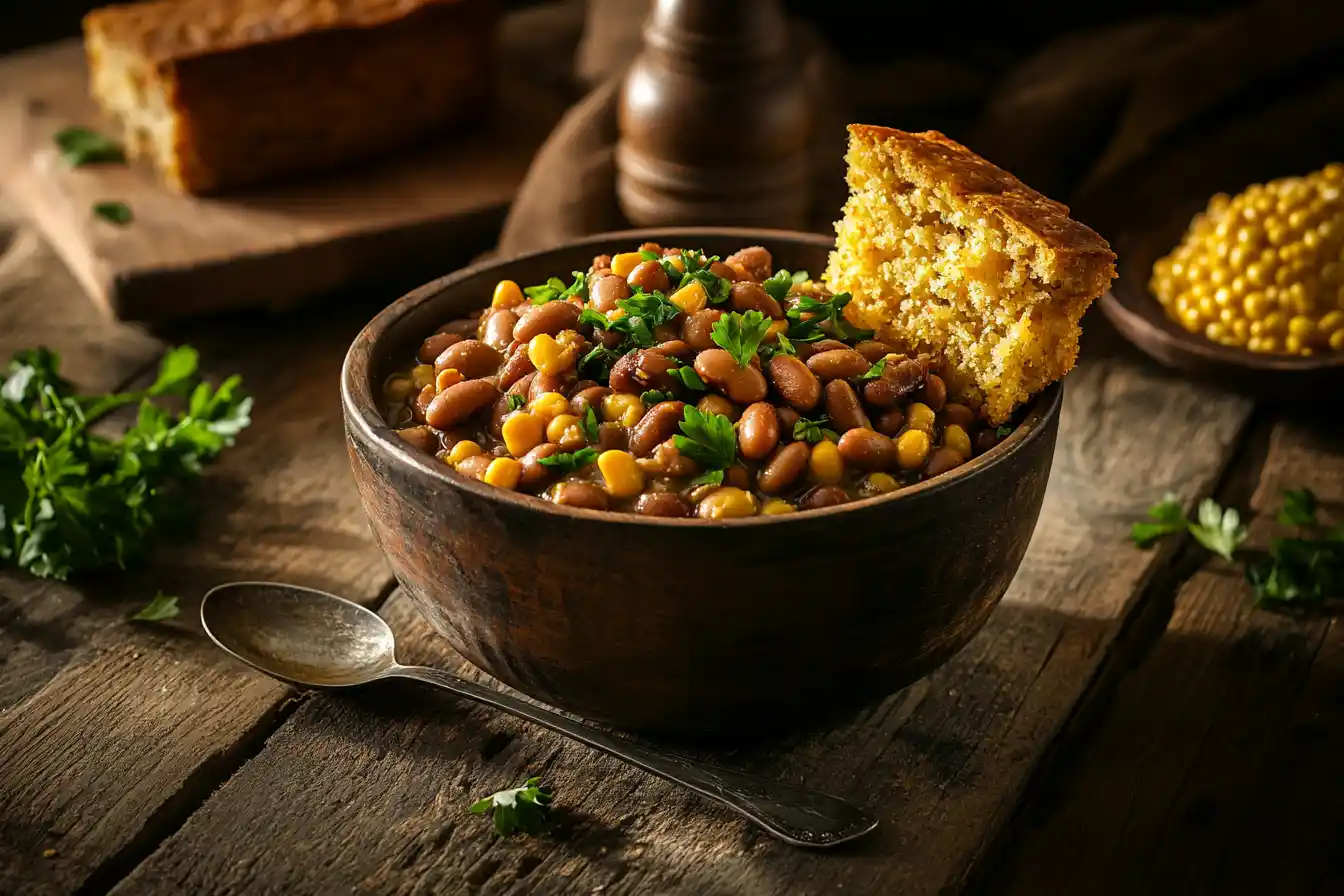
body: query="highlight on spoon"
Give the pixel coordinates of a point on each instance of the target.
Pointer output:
(300, 635)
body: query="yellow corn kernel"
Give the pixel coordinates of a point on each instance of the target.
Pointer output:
(773, 331)
(1301, 327)
(776, 506)
(955, 437)
(463, 450)
(397, 389)
(422, 375)
(507, 295)
(919, 416)
(825, 464)
(1293, 345)
(623, 264)
(449, 376)
(503, 472)
(1337, 341)
(555, 430)
(623, 408)
(569, 339)
(549, 356)
(912, 449)
(522, 432)
(726, 503)
(880, 484)
(690, 298)
(1331, 322)
(621, 476)
(549, 405)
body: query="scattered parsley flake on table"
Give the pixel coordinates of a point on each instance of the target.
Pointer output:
(162, 607)
(114, 212)
(85, 146)
(519, 809)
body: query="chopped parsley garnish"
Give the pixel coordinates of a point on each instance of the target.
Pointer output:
(778, 284)
(822, 311)
(1164, 518)
(696, 266)
(644, 311)
(597, 363)
(813, 431)
(708, 439)
(83, 146)
(113, 212)
(875, 371)
(649, 255)
(688, 377)
(160, 608)
(521, 809)
(1299, 507)
(740, 334)
(1217, 529)
(781, 346)
(569, 462)
(515, 402)
(588, 424)
(709, 477)
(1004, 431)
(555, 288)
(653, 397)
(72, 501)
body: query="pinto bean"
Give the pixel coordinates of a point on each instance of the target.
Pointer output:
(889, 422)
(421, 403)
(758, 431)
(534, 472)
(498, 332)
(746, 385)
(457, 403)
(719, 404)
(550, 382)
(867, 450)
(471, 357)
(464, 326)
(842, 406)
(421, 437)
(823, 496)
(550, 318)
(583, 399)
(580, 494)
(657, 425)
(784, 468)
(675, 348)
(826, 345)
(434, 346)
(838, 364)
(788, 419)
(642, 370)
(872, 350)
(755, 260)
(715, 366)
(649, 276)
(662, 504)
(605, 292)
(934, 393)
(474, 467)
(794, 382)
(749, 296)
(517, 365)
(612, 436)
(696, 329)
(958, 415)
(897, 381)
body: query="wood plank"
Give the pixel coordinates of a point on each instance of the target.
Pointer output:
(116, 749)
(371, 793)
(186, 255)
(1216, 768)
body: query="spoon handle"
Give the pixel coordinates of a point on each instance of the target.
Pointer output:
(795, 815)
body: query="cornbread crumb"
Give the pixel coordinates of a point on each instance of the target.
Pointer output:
(949, 254)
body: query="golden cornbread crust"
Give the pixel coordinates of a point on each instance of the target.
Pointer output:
(227, 93)
(947, 253)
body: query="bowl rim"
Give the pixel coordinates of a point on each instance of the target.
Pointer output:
(361, 409)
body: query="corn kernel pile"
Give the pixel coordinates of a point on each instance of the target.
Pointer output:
(1263, 270)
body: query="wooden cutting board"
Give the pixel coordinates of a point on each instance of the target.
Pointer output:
(185, 255)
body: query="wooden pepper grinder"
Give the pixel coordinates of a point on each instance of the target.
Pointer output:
(714, 119)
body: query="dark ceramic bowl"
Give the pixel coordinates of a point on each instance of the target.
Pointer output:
(686, 627)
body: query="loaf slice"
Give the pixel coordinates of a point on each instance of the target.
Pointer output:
(946, 253)
(227, 93)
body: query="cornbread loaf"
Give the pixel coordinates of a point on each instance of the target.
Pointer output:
(225, 93)
(947, 253)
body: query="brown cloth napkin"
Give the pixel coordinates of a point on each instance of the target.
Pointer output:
(1126, 121)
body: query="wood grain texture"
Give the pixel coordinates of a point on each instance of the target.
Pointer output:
(113, 752)
(369, 793)
(184, 256)
(1216, 769)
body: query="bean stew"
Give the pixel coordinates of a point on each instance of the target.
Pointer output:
(667, 383)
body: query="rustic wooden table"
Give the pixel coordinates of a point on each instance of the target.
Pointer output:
(1090, 740)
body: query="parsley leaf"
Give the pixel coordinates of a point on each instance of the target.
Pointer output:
(160, 608)
(1220, 530)
(801, 277)
(819, 313)
(522, 809)
(1003, 432)
(688, 377)
(569, 462)
(1167, 518)
(875, 371)
(597, 363)
(709, 439)
(644, 311)
(695, 267)
(83, 146)
(594, 319)
(778, 284)
(514, 402)
(740, 334)
(114, 212)
(813, 431)
(1299, 508)
(1298, 570)
(650, 255)
(709, 477)
(555, 288)
(781, 346)
(588, 423)
(653, 397)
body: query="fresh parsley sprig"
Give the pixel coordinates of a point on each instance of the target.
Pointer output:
(162, 607)
(644, 312)
(555, 289)
(1217, 529)
(655, 396)
(781, 346)
(686, 375)
(813, 431)
(518, 809)
(708, 439)
(695, 268)
(819, 313)
(569, 462)
(740, 334)
(515, 402)
(588, 424)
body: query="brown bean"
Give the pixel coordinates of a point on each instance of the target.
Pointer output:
(794, 382)
(889, 422)
(719, 269)
(897, 381)
(649, 276)
(872, 350)
(675, 348)
(842, 406)
(658, 424)
(823, 496)
(464, 326)
(827, 345)
(474, 467)
(942, 460)
(670, 251)
(642, 370)
(605, 292)
(737, 476)
(523, 385)
(421, 437)
(755, 260)
(457, 403)
(610, 338)
(434, 346)
(534, 472)
(985, 440)
(580, 494)
(517, 365)
(550, 318)
(719, 404)
(838, 364)
(673, 462)
(584, 399)
(550, 382)
(600, 262)
(498, 331)
(788, 419)
(612, 437)
(498, 411)
(758, 432)
(471, 357)
(715, 366)
(748, 296)
(784, 468)
(697, 328)
(958, 415)
(651, 247)
(934, 393)
(662, 504)
(867, 450)
(421, 403)
(746, 386)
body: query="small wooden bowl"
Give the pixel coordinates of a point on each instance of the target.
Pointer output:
(1139, 316)
(686, 627)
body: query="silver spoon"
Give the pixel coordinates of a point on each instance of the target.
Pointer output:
(314, 639)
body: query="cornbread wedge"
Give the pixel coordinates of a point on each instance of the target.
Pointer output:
(946, 253)
(226, 93)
